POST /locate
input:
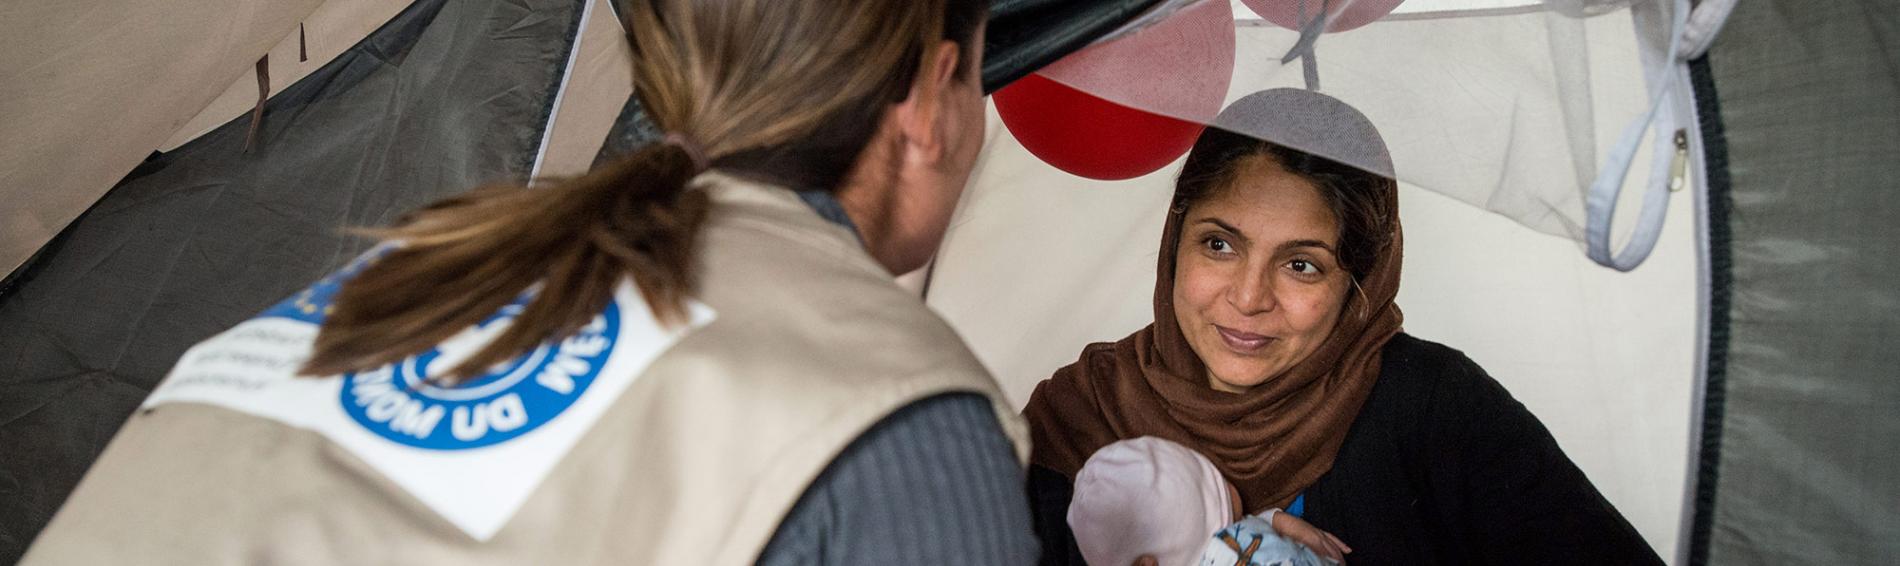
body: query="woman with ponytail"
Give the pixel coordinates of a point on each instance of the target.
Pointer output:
(694, 355)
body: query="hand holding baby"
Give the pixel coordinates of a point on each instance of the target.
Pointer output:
(1151, 502)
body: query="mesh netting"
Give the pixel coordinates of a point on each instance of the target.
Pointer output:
(1520, 107)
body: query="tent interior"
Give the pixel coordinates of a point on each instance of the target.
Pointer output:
(1670, 243)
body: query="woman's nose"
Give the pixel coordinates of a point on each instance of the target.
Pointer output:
(1253, 294)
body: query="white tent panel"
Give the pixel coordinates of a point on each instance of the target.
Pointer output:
(1039, 263)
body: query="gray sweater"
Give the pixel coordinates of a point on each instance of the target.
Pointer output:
(934, 483)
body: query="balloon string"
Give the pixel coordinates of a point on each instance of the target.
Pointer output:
(1310, 67)
(1309, 37)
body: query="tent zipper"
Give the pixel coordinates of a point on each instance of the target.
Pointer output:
(1679, 167)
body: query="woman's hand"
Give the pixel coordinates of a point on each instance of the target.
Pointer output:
(1320, 542)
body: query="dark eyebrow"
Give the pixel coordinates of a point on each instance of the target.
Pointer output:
(1309, 244)
(1283, 247)
(1225, 226)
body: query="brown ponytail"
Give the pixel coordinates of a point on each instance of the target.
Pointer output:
(770, 88)
(464, 258)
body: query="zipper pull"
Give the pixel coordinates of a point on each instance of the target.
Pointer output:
(1679, 168)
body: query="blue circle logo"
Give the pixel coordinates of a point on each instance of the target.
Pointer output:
(401, 403)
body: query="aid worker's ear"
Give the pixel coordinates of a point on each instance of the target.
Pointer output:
(920, 116)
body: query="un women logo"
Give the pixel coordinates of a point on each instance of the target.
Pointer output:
(402, 403)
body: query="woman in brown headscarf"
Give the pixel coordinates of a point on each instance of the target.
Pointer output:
(1276, 351)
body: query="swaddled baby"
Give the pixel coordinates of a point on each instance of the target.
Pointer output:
(1148, 497)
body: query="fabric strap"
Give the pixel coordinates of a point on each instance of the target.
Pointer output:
(1601, 201)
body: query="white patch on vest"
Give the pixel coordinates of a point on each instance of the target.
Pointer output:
(473, 454)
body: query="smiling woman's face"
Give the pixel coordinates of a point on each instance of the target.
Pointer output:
(1257, 279)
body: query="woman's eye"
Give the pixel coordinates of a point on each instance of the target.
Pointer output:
(1218, 245)
(1303, 266)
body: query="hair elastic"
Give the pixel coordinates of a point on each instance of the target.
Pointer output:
(686, 144)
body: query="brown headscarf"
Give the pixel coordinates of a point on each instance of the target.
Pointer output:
(1279, 437)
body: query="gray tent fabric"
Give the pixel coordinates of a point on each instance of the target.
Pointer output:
(1800, 466)
(444, 97)
(632, 130)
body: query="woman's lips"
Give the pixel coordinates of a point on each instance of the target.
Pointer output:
(1242, 341)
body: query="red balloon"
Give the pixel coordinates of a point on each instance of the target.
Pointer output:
(1088, 136)
(1341, 15)
(1128, 107)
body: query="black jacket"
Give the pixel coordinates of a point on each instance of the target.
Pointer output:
(1442, 466)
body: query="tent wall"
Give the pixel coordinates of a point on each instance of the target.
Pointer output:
(445, 96)
(330, 30)
(72, 126)
(452, 94)
(1514, 106)
(1039, 263)
(1798, 463)
(599, 83)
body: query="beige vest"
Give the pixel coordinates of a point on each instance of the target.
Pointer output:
(696, 463)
